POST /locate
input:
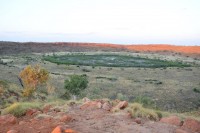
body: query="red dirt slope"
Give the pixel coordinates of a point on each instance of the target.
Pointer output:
(154, 48)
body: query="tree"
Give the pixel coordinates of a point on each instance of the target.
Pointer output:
(75, 84)
(32, 76)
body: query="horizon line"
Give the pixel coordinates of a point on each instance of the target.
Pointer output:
(119, 44)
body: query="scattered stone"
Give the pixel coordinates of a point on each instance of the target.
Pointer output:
(12, 131)
(91, 104)
(63, 129)
(116, 101)
(180, 131)
(8, 119)
(48, 119)
(115, 109)
(85, 99)
(33, 121)
(70, 131)
(192, 124)
(61, 113)
(42, 116)
(22, 122)
(122, 105)
(12, 120)
(30, 112)
(66, 118)
(38, 112)
(99, 105)
(129, 115)
(58, 129)
(60, 123)
(173, 120)
(72, 103)
(42, 127)
(138, 120)
(46, 109)
(56, 110)
(106, 106)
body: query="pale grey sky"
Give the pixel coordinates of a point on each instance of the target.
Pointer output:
(112, 21)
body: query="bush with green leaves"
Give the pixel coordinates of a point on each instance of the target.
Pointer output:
(145, 101)
(76, 84)
(121, 97)
(197, 90)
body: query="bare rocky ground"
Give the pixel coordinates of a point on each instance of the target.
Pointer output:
(91, 117)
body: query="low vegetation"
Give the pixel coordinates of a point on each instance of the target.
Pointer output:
(158, 82)
(112, 61)
(31, 77)
(137, 110)
(145, 101)
(107, 78)
(76, 84)
(197, 90)
(19, 109)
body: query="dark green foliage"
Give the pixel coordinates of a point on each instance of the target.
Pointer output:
(112, 61)
(197, 90)
(76, 83)
(159, 113)
(85, 70)
(145, 101)
(108, 78)
(66, 95)
(153, 81)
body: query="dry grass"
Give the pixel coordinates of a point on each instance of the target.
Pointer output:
(171, 95)
(19, 109)
(192, 114)
(137, 110)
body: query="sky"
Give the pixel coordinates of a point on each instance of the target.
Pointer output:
(102, 21)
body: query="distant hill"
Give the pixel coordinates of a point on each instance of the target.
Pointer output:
(33, 47)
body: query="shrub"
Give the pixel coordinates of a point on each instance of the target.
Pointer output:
(32, 76)
(137, 110)
(145, 101)
(19, 109)
(121, 97)
(197, 90)
(76, 84)
(159, 113)
(85, 70)
(28, 92)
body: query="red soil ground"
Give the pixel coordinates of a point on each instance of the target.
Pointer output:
(179, 49)
(155, 48)
(92, 118)
(145, 47)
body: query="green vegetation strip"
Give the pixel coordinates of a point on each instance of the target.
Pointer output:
(112, 61)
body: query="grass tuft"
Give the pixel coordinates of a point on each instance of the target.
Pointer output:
(137, 110)
(19, 109)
